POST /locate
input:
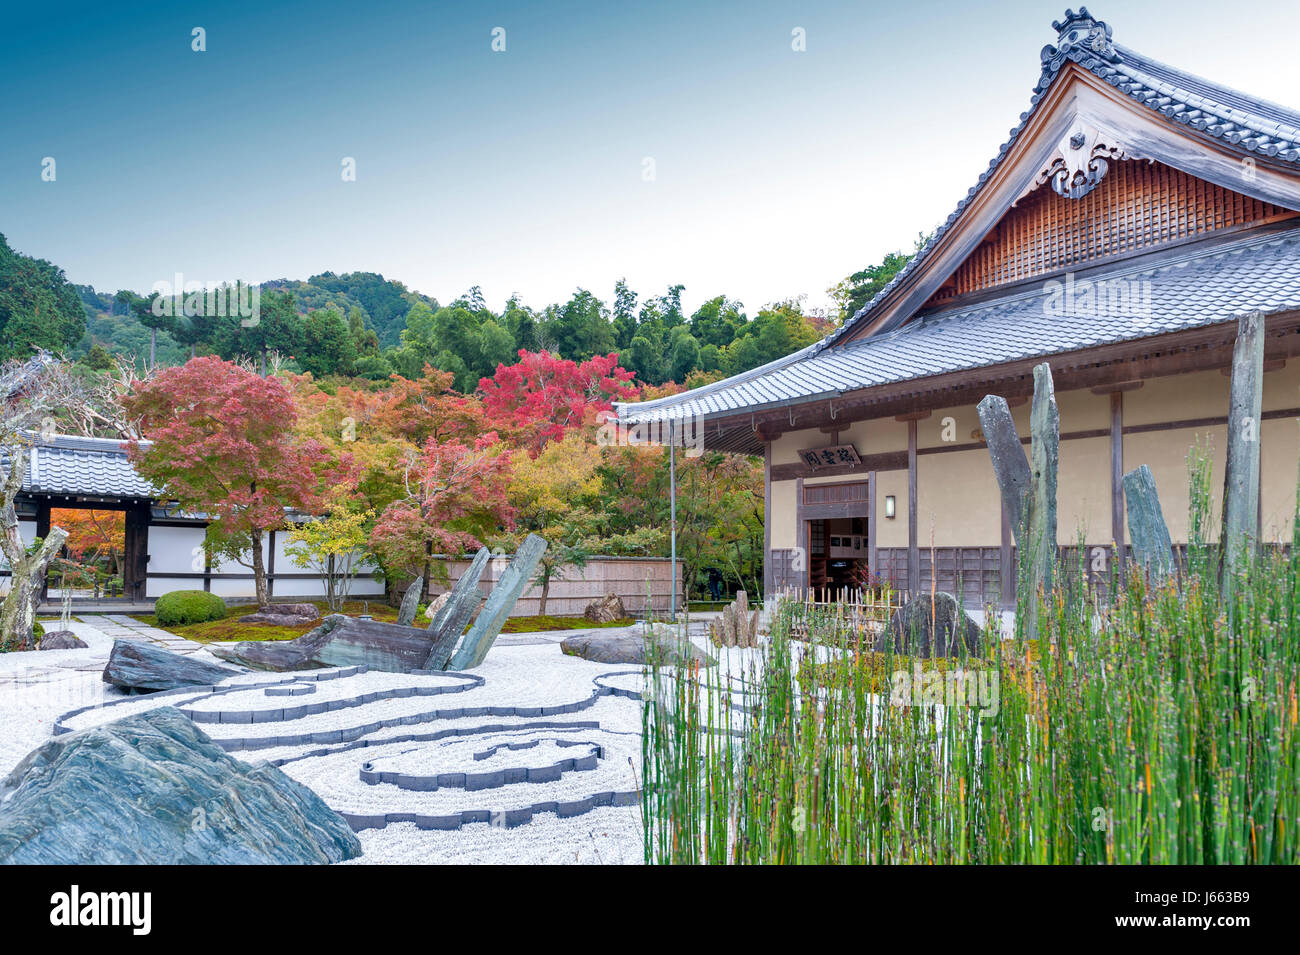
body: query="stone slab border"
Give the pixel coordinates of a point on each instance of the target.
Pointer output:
(500, 818)
(472, 782)
(199, 691)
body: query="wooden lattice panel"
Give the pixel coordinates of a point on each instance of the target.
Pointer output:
(1138, 205)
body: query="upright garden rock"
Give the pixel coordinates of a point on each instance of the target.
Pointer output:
(1015, 479)
(738, 625)
(605, 609)
(1045, 453)
(410, 603)
(500, 602)
(1241, 474)
(1153, 551)
(450, 621)
(145, 668)
(153, 789)
(931, 628)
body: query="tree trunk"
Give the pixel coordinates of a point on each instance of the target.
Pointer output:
(153, 347)
(27, 571)
(18, 611)
(546, 590)
(259, 570)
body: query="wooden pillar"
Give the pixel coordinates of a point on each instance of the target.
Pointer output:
(43, 531)
(801, 541)
(768, 577)
(871, 525)
(913, 550)
(135, 560)
(1117, 480)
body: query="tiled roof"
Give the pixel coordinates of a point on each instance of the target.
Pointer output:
(90, 467)
(1245, 123)
(1200, 286)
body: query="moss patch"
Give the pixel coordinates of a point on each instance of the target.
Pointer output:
(229, 627)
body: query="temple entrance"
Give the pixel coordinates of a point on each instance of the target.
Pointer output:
(837, 533)
(91, 564)
(837, 555)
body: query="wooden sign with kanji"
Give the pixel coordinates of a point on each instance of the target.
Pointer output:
(840, 455)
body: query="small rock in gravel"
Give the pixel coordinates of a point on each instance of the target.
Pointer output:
(62, 640)
(629, 646)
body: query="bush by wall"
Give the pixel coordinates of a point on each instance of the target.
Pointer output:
(188, 606)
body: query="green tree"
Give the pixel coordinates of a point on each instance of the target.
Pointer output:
(328, 347)
(39, 308)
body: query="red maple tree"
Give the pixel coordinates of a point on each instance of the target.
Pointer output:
(221, 442)
(543, 395)
(455, 494)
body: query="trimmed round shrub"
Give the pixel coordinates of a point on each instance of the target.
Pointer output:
(188, 606)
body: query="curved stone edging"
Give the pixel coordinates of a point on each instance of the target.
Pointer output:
(502, 818)
(473, 782)
(293, 689)
(198, 692)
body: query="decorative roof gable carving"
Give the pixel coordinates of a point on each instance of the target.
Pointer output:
(1223, 136)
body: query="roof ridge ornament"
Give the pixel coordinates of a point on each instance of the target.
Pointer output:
(1078, 35)
(1080, 161)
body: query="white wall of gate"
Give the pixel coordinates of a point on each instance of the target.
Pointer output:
(176, 563)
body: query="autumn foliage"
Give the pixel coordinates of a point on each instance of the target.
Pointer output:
(543, 395)
(222, 443)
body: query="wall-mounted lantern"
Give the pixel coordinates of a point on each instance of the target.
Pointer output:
(889, 506)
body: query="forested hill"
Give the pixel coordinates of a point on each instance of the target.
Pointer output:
(362, 325)
(385, 302)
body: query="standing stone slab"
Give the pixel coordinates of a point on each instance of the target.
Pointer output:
(410, 603)
(1045, 452)
(500, 602)
(1241, 476)
(1153, 551)
(1015, 479)
(449, 622)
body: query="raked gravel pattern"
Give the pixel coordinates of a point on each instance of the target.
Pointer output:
(533, 757)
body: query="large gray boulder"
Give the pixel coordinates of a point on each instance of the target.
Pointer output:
(146, 668)
(925, 628)
(631, 646)
(340, 641)
(153, 789)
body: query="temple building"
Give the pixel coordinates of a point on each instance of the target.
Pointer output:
(1134, 214)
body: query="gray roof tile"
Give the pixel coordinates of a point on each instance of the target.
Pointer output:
(1196, 288)
(76, 466)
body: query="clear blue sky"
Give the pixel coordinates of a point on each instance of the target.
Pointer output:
(777, 172)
